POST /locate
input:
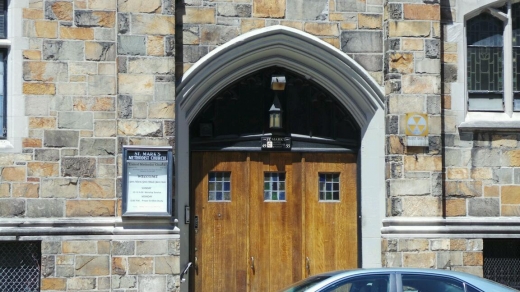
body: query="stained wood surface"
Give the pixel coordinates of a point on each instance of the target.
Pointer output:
(249, 244)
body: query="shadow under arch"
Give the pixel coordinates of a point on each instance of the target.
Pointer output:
(313, 58)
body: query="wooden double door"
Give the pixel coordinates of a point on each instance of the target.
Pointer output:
(265, 220)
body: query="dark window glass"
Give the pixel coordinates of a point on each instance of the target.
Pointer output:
(219, 186)
(274, 186)
(20, 266)
(3, 100)
(502, 261)
(516, 54)
(472, 289)
(3, 19)
(328, 186)
(431, 283)
(485, 63)
(371, 283)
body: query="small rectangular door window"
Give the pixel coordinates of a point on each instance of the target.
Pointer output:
(274, 186)
(219, 186)
(329, 186)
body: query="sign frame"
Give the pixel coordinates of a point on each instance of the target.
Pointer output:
(158, 162)
(276, 143)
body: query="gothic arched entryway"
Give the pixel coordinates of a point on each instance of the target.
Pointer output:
(346, 87)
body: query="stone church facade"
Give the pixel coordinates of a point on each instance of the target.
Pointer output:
(84, 78)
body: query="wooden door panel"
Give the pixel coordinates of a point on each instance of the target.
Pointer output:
(330, 226)
(275, 226)
(221, 237)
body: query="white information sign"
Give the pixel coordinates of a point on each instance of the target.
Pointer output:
(147, 182)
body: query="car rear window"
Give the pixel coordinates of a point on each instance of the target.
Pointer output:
(305, 284)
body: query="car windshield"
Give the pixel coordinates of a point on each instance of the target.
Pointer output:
(305, 284)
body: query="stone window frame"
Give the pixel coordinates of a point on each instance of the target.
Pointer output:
(14, 44)
(474, 120)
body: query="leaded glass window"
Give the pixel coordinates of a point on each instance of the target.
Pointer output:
(219, 186)
(485, 63)
(274, 186)
(516, 54)
(329, 186)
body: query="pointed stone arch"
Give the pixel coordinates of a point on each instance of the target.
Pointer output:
(324, 64)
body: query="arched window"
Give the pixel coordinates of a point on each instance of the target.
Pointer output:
(492, 60)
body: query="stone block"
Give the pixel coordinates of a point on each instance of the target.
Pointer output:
(75, 120)
(58, 138)
(87, 18)
(432, 49)
(121, 282)
(269, 8)
(71, 88)
(440, 244)
(234, 10)
(78, 283)
(370, 21)
(151, 65)
(12, 208)
(480, 173)
(45, 208)
(484, 207)
(505, 141)
(413, 245)
(140, 265)
(78, 166)
(421, 84)
(139, 6)
(473, 258)
(45, 71)
(401, 62)
(63, 50)
(485, 157)
(59, 10)
(199, 15)
(422, 206)
(402, 187)
(419, 260)
(119, 265)
(123, 247)
(395, 145)
(423, 163)
(447, 260)
(455, 207)
(151, 283)
(32, 13)
(503, 176)
(100, 51)
(59, 188)
(76, 33)
(82, 68)
(161, 110)
(464, 188)
(13, 173)
(322, 29)
(174, 247)
(510, 210)
(350, 5)
(43, 169)
(308, 10)
(105, 128)
(5, 190)
(152, 247)
(79, 247)
(454, 173)
(394, 10)
(402, 104)
(94, 103)
(155, 46)
(124, 106)
(192, 54)
(412, 44)
(137, 84)
(429, 66)
(422, 11)
(101, 85)
(31, 143)
(169, 265)
(42, 122)
(65, 271)
(362, 42)
(152, 24)
(97, 188)
(139, 128)
(510, 194)
(54, 284)
(217, 34)
(409, 28)
(90, 208)
(509, 158)
(39, 88)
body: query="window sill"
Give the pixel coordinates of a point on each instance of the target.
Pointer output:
(485, 121)
(5, 144)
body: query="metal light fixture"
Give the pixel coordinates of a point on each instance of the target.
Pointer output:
(275, 112)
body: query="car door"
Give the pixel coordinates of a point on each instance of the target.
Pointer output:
(377, 282)
(430, 283)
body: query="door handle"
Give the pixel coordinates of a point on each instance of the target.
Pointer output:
(253, 264)
(308, 265)
(185, 271)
